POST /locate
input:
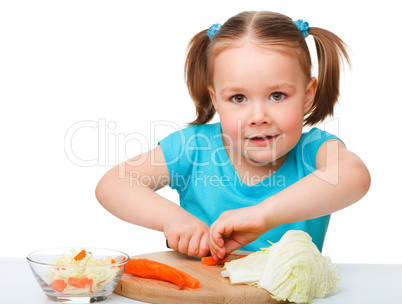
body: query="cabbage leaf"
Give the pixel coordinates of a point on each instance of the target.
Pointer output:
(292, 269)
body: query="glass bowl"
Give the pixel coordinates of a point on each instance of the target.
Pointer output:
(67, 283)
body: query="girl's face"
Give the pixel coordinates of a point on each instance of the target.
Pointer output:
(261, 97)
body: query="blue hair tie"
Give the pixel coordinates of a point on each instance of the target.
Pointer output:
(213, 30)
(302, 26)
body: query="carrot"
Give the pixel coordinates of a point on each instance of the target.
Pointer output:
(90, 282)
(81, 282)
(154, 270)
(112, 261)
(145, 268)
(189, 281)
(209, 261)
(80, 255)
(77, 282)
(59, 285)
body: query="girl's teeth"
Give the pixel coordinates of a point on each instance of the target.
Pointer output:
(265, 137)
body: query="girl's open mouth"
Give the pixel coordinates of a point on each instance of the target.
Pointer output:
(263, 140)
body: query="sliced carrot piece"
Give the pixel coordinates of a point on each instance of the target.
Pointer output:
(77, 282)
(150, 269)
(112, 261)
(81, 282)
(209, 261)
(59, 285)
(89, 282)
(80, 255)
(189, 281)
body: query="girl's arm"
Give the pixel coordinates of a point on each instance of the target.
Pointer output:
(340, 180)
(128, 192)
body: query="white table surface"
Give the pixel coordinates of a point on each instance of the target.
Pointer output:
(361, 283)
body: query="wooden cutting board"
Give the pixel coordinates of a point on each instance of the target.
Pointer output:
(213, 288)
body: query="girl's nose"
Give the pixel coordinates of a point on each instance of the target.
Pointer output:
(259, 114)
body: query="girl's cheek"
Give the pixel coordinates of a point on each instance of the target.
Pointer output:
(232, 129)
(231, 133)
(291, 119)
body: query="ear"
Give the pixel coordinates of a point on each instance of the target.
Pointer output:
(213, 97)
(311, 89)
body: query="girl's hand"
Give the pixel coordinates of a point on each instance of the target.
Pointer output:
(187, 234)
(236, 228)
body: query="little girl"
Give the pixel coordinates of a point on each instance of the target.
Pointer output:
(254, 175)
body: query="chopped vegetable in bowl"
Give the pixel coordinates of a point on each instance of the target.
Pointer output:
(80, 279)
(87, 276)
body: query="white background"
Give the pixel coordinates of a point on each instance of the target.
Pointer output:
(85, 84)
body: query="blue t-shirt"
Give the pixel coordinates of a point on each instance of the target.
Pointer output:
(202, 174)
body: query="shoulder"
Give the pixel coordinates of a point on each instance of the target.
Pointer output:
(314, 138)
(207, 129)
(309, 144)
(180, 147)
(193, 133)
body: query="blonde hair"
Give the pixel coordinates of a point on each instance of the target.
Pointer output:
(273, 30)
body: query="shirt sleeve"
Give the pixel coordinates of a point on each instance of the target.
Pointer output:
(173, 151)
(309, 145)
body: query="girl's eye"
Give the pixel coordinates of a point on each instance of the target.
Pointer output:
(238, 98)
(277, 96)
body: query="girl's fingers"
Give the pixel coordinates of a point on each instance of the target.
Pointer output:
(183, 244)
(212, 245)
(231, 245)
(218, 235)
(173, 242)
(204, 246)
(218, 253)
(194, 244)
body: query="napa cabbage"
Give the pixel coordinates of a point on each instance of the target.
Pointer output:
(292, 269)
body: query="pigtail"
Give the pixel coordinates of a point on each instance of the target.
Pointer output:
(330, 50)
(195, 73)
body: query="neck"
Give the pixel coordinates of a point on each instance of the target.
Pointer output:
(250, 171)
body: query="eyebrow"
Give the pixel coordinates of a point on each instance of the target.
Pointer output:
(282, 85)
(277, 86)
(232, 89)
